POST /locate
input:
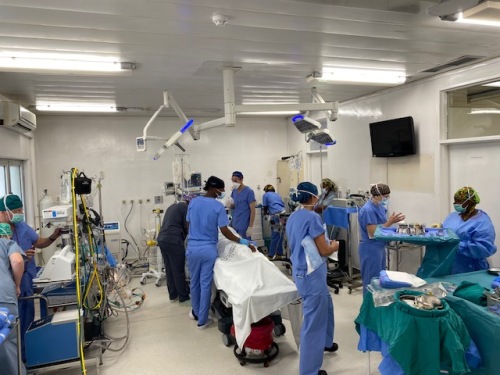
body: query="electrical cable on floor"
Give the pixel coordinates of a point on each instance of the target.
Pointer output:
(128, 232)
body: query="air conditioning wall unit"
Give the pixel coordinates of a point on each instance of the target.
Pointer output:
(17, 118)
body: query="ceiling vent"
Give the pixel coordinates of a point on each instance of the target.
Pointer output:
(467, 59)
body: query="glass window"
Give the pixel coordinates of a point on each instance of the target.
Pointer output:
(16, 180)
(474, 111)
(11, 177)
(3, 180)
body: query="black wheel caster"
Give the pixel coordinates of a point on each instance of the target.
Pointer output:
(279, 329)
(227, 340)
(243, 363)
(336, 291)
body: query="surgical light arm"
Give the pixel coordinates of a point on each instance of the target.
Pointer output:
(173, 140)
(331, 114)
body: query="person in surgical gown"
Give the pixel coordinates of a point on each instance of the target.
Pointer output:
(475, 230)
(316, 335)
(373, 213)
(204, 216)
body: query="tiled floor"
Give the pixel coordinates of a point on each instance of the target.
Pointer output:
(163, 340)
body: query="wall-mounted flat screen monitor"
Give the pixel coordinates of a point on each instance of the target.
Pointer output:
(392, 138)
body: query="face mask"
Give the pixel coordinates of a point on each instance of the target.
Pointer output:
(17, 218)
(459, 208)
(221, 194)
(324, 191)
(236, 185)
(385, 201)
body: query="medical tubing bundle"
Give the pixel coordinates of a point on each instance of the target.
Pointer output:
(77, 269)
(93, 256)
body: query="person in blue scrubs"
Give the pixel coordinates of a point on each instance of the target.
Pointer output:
(243, 206)
(273, 206)
(11, 272)
(475, 230)
(205, 216)
(316, 335)
(373, 213)
(12, 212)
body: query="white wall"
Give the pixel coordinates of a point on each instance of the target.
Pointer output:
(107, 144)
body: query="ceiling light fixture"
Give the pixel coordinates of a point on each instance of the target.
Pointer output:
(15, 61)
(492, 84)
(485, 13)
(76, 107)
(359, 76)
(484, 111)
(270, 113)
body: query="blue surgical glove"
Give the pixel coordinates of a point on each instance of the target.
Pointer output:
(244, 241)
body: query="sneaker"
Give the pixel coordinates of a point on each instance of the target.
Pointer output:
(186, 303)
(207, 324)
(173, 300)
(332, 348)
(322, 372)
(192, 315)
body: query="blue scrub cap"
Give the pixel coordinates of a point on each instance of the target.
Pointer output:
(237, 174)
(304, 192)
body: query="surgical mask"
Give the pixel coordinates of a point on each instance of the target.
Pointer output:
(236, 185)
(17, 218)
(385, 201)
(324, 191)
(221, 194)
(459, 208)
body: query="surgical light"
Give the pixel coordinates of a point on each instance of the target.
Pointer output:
(61, 62)
(322, 137)
(359, 76)
(305, 124)
(172, 140)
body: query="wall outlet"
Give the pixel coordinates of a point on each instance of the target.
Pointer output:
(124, 202)
(140, 201)
(132, 201)
(148, 200)
(158, 199)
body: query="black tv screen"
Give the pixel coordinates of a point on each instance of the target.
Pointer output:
(393, 137)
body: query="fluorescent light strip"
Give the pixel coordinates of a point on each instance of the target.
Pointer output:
(61, 62)
(362, 76)
(270, 113)
(492, 84)
(478, 22)
(484, 111)
(76, 107)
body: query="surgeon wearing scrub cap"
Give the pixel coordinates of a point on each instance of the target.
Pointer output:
(373, 213)
(309, 247)
(475, 230)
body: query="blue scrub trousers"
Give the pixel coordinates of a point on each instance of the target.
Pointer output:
(276, 245)
(318, 320)
(372, 261)
(201, 260)
(26, 308)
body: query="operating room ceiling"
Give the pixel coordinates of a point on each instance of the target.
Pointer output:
(277, 43)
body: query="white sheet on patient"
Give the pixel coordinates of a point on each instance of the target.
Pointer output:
(254, 285)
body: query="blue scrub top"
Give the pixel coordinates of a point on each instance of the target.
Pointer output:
(371, 214)
(241, 210)
(273, 202)
(26, 237)
(205, 216)
(477, 241)
(300, 224)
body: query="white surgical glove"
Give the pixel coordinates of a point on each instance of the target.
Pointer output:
(249, 232)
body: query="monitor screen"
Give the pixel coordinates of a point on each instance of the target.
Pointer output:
(393, 137)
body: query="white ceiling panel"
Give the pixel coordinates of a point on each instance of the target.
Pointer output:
(177, 47)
